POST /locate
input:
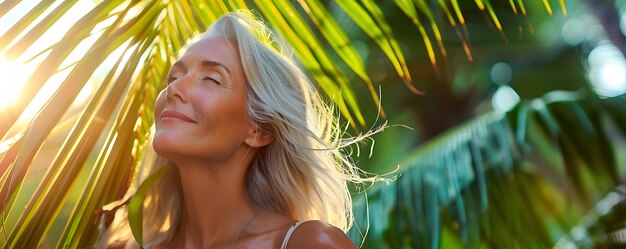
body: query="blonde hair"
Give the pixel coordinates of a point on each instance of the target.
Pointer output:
(301, 174)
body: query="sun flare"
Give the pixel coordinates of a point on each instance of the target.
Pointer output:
(14, 76)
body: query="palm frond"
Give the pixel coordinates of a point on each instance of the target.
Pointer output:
(140, 40)
(432, 178)
(468, 175)
(602, 227)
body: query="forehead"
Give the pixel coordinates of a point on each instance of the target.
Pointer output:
(214, 48)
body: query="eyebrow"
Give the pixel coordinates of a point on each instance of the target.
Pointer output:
(204, 63)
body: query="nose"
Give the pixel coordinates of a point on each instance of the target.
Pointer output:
(176, 90)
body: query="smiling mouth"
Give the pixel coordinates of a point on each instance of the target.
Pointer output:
(175, 115)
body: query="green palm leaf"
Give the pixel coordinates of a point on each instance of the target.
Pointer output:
(373, 23)
(461, 173)
(98, 154)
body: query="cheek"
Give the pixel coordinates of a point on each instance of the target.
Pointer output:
(223, 124)
(221, 127)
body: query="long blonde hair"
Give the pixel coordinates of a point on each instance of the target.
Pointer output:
(301, 174)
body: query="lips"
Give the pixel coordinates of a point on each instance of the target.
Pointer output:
(176, 115)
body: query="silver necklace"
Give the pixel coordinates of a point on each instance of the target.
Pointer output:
(256, 211)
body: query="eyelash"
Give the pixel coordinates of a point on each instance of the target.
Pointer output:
(211, 79)
(171, 79)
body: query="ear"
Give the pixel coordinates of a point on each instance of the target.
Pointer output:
(258, 136)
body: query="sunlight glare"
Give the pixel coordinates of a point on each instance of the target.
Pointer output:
(14, 76)
(45, 93)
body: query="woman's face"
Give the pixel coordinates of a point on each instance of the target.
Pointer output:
(201, 115)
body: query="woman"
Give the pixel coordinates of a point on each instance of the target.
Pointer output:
(256, 152)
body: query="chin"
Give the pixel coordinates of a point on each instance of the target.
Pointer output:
(163, 146)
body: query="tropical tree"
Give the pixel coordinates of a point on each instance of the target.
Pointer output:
(469, 175)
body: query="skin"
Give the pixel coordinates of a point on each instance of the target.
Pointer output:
(212, 148)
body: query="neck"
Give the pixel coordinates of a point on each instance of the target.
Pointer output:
(216, 205)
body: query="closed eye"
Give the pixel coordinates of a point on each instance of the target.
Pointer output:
(171, 79)
(211, 79)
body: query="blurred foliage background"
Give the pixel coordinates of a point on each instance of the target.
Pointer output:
(507, 117)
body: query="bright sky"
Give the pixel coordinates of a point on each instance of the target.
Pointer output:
(15, 73)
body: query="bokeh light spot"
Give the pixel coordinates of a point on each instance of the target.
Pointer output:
(501, 73)
(607, 70)
(504, 99)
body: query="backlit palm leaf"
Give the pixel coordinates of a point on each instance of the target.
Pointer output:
(135, 44)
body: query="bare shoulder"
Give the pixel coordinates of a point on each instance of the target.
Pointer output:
(319, 234)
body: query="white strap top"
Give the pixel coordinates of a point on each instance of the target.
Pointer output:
(291, 229)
